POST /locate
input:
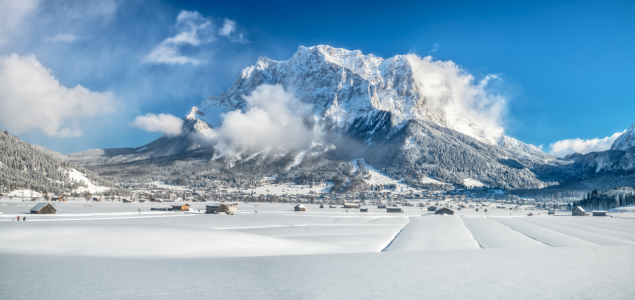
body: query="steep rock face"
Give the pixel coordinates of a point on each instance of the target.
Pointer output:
(342, 85)
(626, 140)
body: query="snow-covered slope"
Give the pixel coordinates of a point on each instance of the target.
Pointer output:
(626, 140)
(28, 167)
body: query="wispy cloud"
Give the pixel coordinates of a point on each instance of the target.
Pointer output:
(63, 37)
(435, 48)
(165, 123)
(32, 98)
(229, 26)
(564, 147)
(192, 29)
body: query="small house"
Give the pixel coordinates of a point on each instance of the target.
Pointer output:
(126, 200)
(43, 208)
(551, 212)
(363, 210)
(432, 208)
(351, 205)
(299, 207)
(599, 213)
(444, 211)
(394, 209)
(184, 207)
(220, 207)
(578, 211)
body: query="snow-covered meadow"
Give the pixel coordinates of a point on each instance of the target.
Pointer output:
(269, 251)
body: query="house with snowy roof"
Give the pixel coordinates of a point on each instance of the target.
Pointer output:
(43, 208)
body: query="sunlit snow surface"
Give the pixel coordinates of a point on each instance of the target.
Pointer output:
(112, 251)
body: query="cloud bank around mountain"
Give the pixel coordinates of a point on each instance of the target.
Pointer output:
(449, 89)
(564, 147)
(33, 99)
(272, 120)
(165, 123)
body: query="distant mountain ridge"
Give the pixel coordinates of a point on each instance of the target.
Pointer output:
(374, 109)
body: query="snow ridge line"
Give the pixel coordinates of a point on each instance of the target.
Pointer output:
(472, 235)
(394, 237)
(539, 241)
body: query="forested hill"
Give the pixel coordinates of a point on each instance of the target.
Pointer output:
(621, 196)
(24, 166)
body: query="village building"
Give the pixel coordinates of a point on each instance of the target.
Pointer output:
(43, 208)
(578, 211)
(184, 207)
(299, 207)
(220, 207)
(432, 208)
(394, 209)
(350, 205)
(444, 211)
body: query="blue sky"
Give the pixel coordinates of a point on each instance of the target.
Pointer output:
(566, 66)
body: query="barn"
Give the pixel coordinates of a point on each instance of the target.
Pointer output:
(578, 211)
(184, 207)
(220, 207)
(599, 213)
(444, 211)
(43, 208)
(432, 208)
(394, 209)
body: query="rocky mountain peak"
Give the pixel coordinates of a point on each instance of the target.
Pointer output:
(626, 140)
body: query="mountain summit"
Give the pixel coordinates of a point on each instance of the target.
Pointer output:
(343, 85)
(626, 140)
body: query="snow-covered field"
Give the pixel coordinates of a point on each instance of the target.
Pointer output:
(123, 250)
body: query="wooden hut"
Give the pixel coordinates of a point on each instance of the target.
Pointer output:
(299, 207)
(578, 211)
(351, 205)
(363, 209)
(394, 209)
(599, 213)
(126, 200)
(220, 207)
(43, 208)
(184, 207)
(432, 208)
(444, 211)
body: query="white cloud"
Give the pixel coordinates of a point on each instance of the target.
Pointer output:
(229, 26)
(193, 29)
(564, 147)
(32, 98)
(12, 16)
(63, 37)
(272, 121)
(452, 95)
(165, 123)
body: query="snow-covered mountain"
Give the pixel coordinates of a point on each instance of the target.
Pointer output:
(411, 117)
(626, 140)
(343, 85)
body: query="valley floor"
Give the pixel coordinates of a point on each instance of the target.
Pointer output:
(268, 251)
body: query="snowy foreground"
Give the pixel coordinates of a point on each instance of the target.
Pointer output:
(110, 250)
